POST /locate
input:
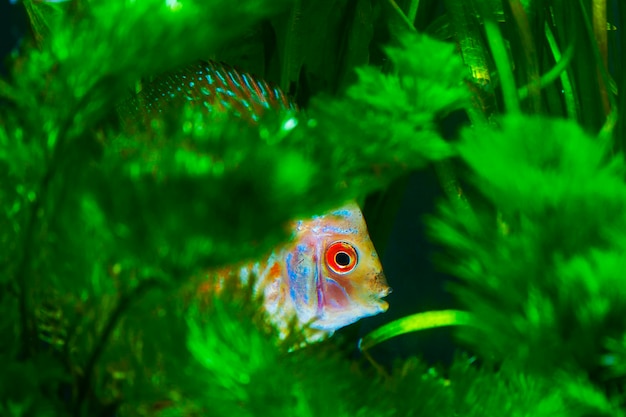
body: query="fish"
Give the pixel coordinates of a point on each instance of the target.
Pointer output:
(328, 275)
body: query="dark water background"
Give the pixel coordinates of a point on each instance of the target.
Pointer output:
(417, 284)
(13, 24)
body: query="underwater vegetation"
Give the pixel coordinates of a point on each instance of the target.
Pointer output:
(108, 229)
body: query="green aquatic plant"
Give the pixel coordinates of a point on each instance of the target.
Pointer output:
(105, 232)
(555, 279)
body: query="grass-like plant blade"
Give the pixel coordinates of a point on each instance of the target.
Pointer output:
(519, 33)
(318, 58)
(400, 13)
(415, 323)
(571, 101)
(500, 56)
(413, 6)
(619, 39)
(39, 15)
(598, 43)
(356, 31)
(598, 19)
(553, 74)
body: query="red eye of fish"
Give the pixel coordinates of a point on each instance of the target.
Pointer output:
(341, 257)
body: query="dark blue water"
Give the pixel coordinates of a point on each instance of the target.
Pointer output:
(13, 25)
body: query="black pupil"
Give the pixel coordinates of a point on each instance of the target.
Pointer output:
(342, 259)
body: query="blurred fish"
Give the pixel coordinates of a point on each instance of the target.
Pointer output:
(328, 275)
(216, 89)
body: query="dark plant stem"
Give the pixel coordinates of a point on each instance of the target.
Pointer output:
(84, 383)
(21, 274)
(620, 131)
(290, 42)
(27, 249)
(21, 278)
(598, 21)
(110, 409)
(529, 51)
(608, 101)
(452, 188)
(401, 15)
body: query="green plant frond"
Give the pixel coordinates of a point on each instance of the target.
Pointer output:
(470, 389)
(437, 86)
(232, 359)
(615, 360)
(400, 110)
(43, 14)
(554, 175)
(235, 367)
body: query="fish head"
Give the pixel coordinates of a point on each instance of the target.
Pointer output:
(334, 274)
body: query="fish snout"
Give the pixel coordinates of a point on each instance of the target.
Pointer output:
(380, 285)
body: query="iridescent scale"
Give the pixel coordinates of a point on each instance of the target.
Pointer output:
(210, 86)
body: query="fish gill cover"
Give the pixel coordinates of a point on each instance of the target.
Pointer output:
(105, 235)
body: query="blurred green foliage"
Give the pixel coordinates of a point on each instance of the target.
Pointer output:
(104, 234)
(562, 291)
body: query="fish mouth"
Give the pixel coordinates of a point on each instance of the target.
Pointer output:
(379, 290)
(333, 295)
(381, 287)
(338, 306)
